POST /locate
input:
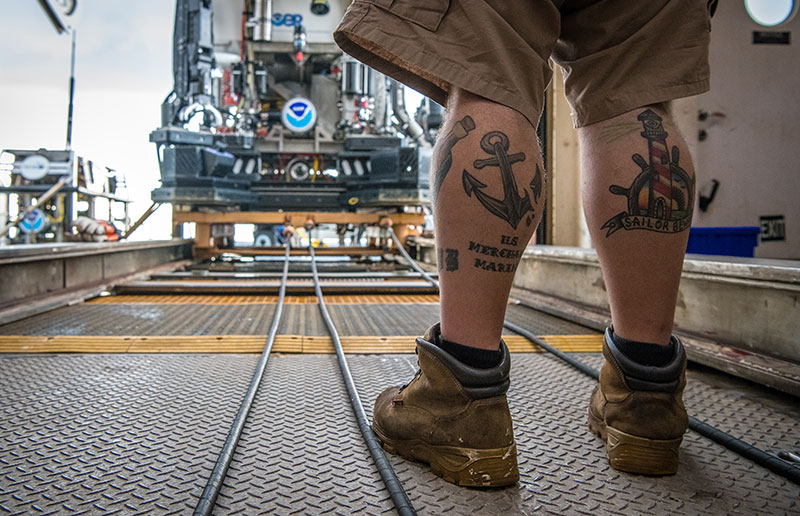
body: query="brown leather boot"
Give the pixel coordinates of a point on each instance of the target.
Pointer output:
(638, 411)
(453, 417)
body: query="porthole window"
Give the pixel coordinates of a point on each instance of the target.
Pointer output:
(770, 13)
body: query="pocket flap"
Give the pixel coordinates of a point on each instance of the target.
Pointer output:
(425, 13)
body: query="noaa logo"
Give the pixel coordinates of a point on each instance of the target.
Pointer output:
(33, 222)
(299, 115)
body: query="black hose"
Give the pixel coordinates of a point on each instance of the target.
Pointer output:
(577, 364)
(209, 497)
(746, 450)
(738, 446)
(393, 485)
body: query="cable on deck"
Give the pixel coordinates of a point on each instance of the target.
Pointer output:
(209, 497)
(730, 442)
(393, 484)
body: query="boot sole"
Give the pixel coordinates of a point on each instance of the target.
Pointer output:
(467, 467)
(634, 454)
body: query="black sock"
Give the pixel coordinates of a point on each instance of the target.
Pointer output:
(473, 357)
(645, 353)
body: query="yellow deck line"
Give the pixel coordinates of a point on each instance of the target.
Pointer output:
(255, 344)
(265, 300)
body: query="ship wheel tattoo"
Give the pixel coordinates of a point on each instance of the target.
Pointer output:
(513, 206)
(661, 196)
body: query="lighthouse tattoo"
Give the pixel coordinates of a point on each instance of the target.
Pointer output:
(661, 196)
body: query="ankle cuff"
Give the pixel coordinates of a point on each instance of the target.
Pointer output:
(478, 383)
(649, 378)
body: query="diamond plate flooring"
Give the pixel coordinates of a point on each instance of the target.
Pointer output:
(142, 319)
(563, 467)
(299, 319)
(138, 434)
(109, 434)
(301, 451)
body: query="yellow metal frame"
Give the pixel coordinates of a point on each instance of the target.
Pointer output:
(255, 344)
(205, 244)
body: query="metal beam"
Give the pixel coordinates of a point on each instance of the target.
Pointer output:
(269, 287)
(296, 218)
(278, 251)
(149, 211)
(266, 275)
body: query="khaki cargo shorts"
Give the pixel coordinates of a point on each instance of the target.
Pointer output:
(617, 55)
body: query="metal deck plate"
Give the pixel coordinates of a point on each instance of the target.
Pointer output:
(298, 319)
(138, 434)
(563, 466)
(110, 434)
(141, 319)
(301, 451)
(765, 418)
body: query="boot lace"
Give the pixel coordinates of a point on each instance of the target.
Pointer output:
(416, 375)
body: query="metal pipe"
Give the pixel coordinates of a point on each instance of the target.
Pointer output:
(393, 485)
(149, 211)
(208, 499)
(258, 7)
(738, 446)
(262, 20)
(71, 91)
(267, 28)
(381, 105)
(352, 76)
(408, 125)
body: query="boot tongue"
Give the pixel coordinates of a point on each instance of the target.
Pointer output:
(434, 333)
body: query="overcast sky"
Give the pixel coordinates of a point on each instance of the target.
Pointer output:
(123, 72)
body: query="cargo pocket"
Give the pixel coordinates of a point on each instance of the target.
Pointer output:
(425, 13)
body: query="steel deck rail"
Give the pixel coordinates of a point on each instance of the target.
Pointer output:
(760, 457)
(208, 499)
(393, 484)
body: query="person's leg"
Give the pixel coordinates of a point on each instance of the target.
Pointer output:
(638, 194)
(638, 189)
(488, 189)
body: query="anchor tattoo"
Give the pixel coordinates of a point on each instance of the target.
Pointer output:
(513, 207)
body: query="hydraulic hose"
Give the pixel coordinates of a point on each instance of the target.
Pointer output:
(738, 446)
(393, 485)
(209, 497)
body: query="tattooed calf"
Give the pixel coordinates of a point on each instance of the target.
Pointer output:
(448, 259)
(497, 252)
(513, 206)
(460, 131)
(494, 266)
(661, 196)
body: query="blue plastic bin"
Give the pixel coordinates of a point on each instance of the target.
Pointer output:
(725, 241)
